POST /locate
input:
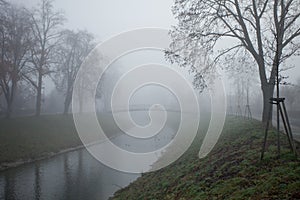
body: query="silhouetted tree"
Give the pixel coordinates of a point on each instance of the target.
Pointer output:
(241, 69)
(72, 51)
(268, 30)
(15, 43)
(45, 25)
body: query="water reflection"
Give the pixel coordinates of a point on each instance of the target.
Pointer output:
(74, 175)
(9, 187)
(37, 185)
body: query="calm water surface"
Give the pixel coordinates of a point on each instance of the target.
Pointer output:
(74, 175)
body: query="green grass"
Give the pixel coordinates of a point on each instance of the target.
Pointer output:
(29, 138)
(33, 137)
(26, 138)
(233, 170)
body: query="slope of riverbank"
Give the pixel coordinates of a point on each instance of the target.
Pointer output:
(26, 139)
(233, 170)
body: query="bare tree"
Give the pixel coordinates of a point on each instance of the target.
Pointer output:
(15, 39)
(46, 24)
(91, 66)
(268, 30)
(241, 69)
(71, 53)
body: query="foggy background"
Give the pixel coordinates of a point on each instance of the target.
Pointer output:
(106, 18)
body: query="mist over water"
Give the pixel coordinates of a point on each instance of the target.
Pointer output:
(77, 174)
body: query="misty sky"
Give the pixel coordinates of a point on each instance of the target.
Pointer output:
(106, 18)
(109, 17)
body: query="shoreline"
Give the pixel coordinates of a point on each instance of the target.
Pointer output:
(10, 165)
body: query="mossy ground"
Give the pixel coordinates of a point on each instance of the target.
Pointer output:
(233, 169)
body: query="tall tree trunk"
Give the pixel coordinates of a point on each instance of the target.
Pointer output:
(9, 109)
(39, 96)
(267, 91)
(67, 103)
(9, 96)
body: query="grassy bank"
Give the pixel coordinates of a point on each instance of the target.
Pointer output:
(232, 170)
(30, 138)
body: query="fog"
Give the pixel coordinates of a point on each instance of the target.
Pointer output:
(94, 94)
(106, 18)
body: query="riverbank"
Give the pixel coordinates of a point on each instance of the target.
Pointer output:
(27, 139)
(233, 170)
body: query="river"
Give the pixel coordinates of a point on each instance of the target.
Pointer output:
(74, 175)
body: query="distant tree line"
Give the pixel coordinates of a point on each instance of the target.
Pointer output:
(34, 45)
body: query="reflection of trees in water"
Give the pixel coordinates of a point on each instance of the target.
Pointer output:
(68, 181)
(9, 190)
(74, 186)
(37, 188)
(80, 175)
